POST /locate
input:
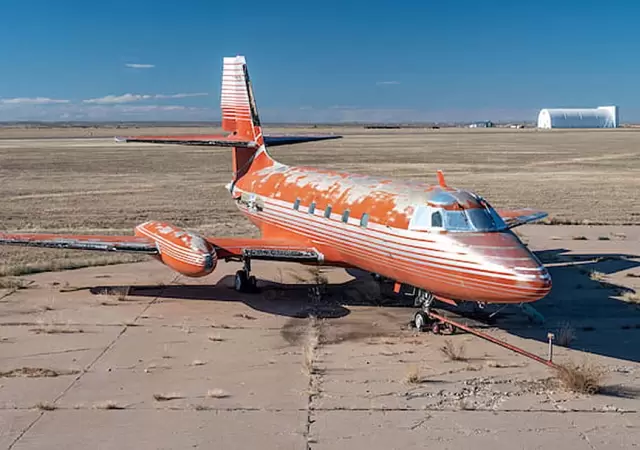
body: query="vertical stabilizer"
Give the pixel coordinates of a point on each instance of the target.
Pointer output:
(240, 118)
(239, 111)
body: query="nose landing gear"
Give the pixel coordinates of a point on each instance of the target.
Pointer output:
(423, 321)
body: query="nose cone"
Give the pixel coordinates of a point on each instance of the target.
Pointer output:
(532, 283)
(515, 275)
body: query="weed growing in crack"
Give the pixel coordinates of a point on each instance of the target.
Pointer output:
(585, 378)
(452, 352)
(413, 375)
(167, 397)
(565, 335)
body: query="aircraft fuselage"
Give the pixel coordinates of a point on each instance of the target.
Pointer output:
(369, 223)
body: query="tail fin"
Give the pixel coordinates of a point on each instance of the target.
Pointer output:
(240, 115)
(239, 111)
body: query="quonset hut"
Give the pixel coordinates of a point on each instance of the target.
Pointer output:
(600, 117)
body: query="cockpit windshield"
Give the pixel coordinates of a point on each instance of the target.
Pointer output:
(483, 218)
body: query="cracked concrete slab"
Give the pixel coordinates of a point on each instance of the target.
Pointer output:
(149, 361)
(13, 424)
(446, 430)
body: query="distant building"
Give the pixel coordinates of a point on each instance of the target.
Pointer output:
(600, 117)
(486, 124)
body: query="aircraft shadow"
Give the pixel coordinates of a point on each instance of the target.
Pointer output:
(295, 300)
(583, 309)
(580, 309)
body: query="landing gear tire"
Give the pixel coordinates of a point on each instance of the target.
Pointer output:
(435, 328)
(420, 320)
(241, 282)
(244, 281)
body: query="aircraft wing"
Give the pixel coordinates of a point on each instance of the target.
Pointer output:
(124, 244)
(516, 217)
(264, 249)
(223, 140)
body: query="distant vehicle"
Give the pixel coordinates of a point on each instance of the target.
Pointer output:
(444, 243)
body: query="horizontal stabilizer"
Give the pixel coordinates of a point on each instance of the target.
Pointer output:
(204, 140)
(222, 140)
(517, 217)
(272, 141)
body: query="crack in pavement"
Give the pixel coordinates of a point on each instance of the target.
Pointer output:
(141, 325)
(336, 409)
(59, 352)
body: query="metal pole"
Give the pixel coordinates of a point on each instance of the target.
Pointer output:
(550, 336)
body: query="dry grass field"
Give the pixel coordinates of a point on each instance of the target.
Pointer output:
(51, 180)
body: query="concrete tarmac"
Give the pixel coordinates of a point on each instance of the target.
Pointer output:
(133, 356)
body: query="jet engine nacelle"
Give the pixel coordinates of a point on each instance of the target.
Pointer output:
(185, 252)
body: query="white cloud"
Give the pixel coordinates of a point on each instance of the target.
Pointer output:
(105, 112)
(128, 98)
(387, 83)
(141, 66)
(147, 108)
(31, 101)
(125, 98)
(195, 94)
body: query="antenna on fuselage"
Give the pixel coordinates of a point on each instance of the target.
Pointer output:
(441, 182)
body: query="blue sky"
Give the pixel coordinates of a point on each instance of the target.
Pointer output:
(321, 61)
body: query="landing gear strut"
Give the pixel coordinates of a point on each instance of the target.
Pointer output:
(423, 321)
(244, 281)
(423, 300)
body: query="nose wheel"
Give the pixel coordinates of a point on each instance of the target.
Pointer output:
(422, 321)
(244, 281)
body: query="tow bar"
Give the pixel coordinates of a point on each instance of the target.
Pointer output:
(485, 336)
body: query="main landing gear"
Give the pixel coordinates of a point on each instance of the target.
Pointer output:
(244, 281)
(422, 321)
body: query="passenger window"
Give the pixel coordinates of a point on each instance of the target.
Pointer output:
(364, 220)
(420, 220)
(312, 207)
(327, 212)
(345, 216)
(296, 204)
(436, 219)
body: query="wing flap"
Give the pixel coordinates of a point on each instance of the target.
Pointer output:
(265, 249)
(124, 244)
(516, 217)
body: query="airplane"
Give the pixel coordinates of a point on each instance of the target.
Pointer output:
(442, 243)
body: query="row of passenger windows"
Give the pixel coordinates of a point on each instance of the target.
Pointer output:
(364, 220)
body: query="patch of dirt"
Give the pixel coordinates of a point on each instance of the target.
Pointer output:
(36, 372)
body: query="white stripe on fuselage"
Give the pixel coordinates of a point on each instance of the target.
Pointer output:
(442, 251)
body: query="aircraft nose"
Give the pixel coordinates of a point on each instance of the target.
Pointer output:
(534, 282)
(518, 276)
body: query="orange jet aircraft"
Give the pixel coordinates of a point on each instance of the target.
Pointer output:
(443, 243)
